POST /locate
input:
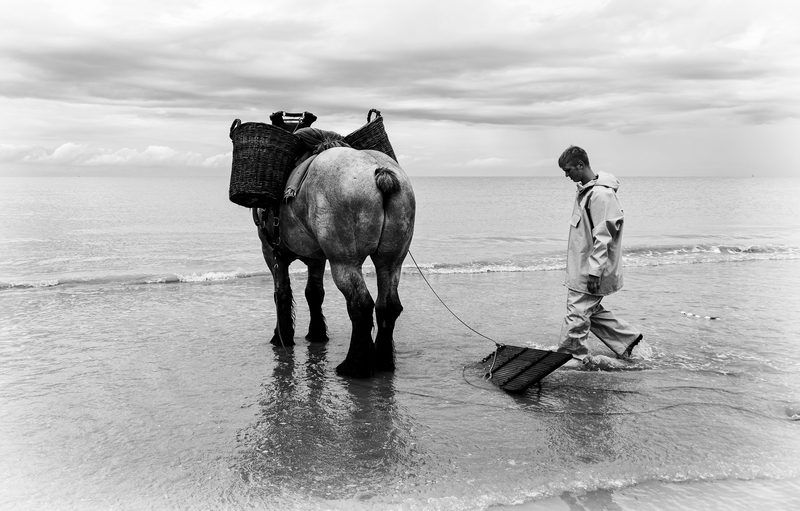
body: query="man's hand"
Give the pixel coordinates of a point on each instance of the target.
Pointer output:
(593, 284)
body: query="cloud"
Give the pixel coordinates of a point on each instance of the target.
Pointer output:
(513, 63)
(11, 153)
(218, 160)
(71, 154)
(96, 78)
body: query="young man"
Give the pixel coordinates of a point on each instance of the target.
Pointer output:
(594, 262)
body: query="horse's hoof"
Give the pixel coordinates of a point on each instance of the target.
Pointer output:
(276, 340)
(386, 366)
(317, 338)
(351, 371)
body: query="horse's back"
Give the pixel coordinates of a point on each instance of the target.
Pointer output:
(352, 173)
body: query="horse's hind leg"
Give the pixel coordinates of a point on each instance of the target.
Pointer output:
(360, 360)
(387, 310)
(315, 295)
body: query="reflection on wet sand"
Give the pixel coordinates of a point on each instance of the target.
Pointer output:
(324, 436)
(599, 500)
(580, 426)
(586, 432)
(587, 429)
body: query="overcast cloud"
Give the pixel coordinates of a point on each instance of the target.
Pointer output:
(465, 87)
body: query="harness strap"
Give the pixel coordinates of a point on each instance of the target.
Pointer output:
(276, 231)
(260, 219)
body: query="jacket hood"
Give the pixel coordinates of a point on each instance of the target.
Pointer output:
(603, 179)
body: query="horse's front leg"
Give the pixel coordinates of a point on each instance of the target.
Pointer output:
(315, 295)
(284, 303)
(278, 265)
(360, 360)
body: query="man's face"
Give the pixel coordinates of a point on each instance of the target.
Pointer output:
(573, 171)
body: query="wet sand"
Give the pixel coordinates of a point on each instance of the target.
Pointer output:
(729, 495)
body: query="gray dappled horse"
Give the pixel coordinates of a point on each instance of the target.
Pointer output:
(352, 204)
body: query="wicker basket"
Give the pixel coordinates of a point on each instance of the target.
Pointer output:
(263, 156)
(371, 136)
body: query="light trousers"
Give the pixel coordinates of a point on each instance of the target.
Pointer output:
(586, 314)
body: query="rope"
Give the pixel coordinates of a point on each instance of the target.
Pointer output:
(445, 305)
(489, 374)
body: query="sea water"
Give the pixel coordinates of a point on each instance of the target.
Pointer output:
(136, 372)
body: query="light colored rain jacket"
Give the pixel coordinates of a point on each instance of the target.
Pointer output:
(595, 236)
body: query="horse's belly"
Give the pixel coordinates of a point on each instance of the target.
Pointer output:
(299, 240)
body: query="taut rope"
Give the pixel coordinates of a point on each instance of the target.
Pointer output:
(498, 345)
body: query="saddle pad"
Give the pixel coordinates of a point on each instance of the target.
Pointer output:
(296, 178)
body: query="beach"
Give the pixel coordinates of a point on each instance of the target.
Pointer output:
(137, 372)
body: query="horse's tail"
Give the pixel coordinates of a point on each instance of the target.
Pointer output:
(387, 180)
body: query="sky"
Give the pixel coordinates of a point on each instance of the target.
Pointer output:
(667, 88)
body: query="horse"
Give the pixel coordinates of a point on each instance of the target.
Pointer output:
(353, 204)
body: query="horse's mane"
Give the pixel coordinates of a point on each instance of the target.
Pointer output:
(317, 140)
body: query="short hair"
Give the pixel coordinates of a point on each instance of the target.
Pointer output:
(572, 155)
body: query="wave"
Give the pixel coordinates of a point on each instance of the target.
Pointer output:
(486, 266)
(634, 257)
(707, 253)
(137, 280)
(641, 256)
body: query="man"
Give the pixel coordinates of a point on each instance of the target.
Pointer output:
(594, 263)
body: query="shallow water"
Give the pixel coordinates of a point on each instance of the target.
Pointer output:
(168, 396)
(136, 373)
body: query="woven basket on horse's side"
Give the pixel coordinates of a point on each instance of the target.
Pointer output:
(263, 156)
(371, 136)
